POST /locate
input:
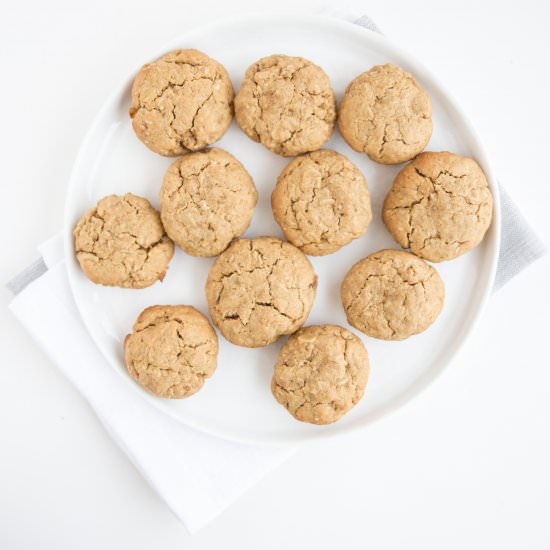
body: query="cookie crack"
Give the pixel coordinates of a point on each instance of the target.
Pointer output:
(169, 86)
(192, 130)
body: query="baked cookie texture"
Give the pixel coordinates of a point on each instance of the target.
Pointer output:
(260, 289)
(121, 242)
(206, 200)
(171, 351)
(392, 295)
(321, 373)
(386, 114)
(286, 103)
(321, 201)
(440, 206)
(182, 102)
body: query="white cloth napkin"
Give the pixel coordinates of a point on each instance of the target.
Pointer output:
(195, 474)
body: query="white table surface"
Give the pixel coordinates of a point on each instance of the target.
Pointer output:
(466, 465)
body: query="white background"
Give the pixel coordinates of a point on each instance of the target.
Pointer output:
(466, 465)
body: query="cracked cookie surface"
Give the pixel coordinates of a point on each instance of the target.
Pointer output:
(286, 103)
(440, 206)
(386, 114)
(321, 201)
(121, 242)
(206, 200)
(321, 373)
(171, 351)
(392, 295)
(182, 102)
(260, 289)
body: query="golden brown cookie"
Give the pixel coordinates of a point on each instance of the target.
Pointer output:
(321, 201)
(206, 200)
(440, 206)
(182, 102)
(392, 295)
(171, 351)
(386, 114)
(321, 373)
(287, 104)
(259, 289)
(121, 242)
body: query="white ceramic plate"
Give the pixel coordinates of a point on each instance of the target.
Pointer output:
(237, 403)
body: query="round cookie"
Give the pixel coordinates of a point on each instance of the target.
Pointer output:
(386, 114)
(321, 373)
(321, 201)
(260, 289)
(182, 102)
(206, 200)
(171, 351)
(440, 206)
(121, 242)
(286, 104)
(392, 295)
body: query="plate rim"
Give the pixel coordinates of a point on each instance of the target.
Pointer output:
(387, 45)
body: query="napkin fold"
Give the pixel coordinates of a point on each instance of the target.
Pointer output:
(197, 475)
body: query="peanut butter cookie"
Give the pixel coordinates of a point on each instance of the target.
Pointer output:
(182, 102)
(206, 200)
(260, 289)
(286, 104)
(321, 201)
(392, 295)
(121, 242)
(171, 351)
(386, 114)
(440, 206)
(321, 373)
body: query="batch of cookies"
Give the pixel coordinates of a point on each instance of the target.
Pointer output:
(260, 289)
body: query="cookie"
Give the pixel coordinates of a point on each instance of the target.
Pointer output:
(321, 373)
(286, 104)
(392, 295)
(182, 102)
(206, 200)
(321, 201)
(386, 114)
(121, 242)
(171, 351)
(440, 206)
(260, 289)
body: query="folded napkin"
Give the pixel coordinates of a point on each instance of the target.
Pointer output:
(197, 475)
